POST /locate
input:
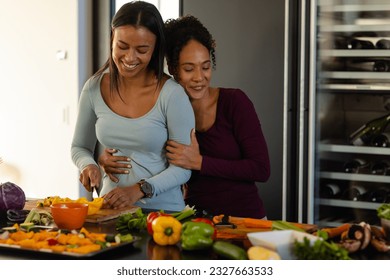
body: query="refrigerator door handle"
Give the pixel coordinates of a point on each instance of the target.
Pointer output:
(311, 130)
(307, 101)
(302, 110)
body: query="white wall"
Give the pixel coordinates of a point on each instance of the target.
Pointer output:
(39, 93)
(168, 8)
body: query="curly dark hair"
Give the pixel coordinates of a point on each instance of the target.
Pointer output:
(178, 32)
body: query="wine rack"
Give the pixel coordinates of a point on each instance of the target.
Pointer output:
(347, 99)
(358, 21)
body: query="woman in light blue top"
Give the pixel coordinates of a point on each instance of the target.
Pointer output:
(132, 105)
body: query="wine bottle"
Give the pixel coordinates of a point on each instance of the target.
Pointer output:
(355, 193)
(381, 66)
(360, 65)
(341, 42)
(381, 167)
(381, 140)
(380, 195)
(330, 190)
(356, 165)
(360, 44)
(383, 44)
(365, 134)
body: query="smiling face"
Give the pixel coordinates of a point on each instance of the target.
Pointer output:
(132, 49)
(194, 71)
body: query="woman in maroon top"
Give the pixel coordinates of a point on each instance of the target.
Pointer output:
(228, 153)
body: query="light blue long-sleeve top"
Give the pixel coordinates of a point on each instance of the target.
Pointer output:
(141, 139)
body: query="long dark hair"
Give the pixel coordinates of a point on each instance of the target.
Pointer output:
(137, 13)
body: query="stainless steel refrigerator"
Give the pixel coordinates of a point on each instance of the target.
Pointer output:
(343, 86)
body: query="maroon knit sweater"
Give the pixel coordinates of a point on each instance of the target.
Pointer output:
(235, 156)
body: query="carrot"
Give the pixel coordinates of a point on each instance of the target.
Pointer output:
(233, 220)
(257, 223)
(236, 220)
(217, 219)
(231, 235)
(336, 231)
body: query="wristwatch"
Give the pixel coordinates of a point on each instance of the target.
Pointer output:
(146, 188)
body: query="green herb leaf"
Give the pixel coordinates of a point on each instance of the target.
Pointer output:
(320, 250)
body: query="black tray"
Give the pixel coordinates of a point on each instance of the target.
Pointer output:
(49, 254)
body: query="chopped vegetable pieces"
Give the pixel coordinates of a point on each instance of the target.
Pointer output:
(82, 242)
(93, 206)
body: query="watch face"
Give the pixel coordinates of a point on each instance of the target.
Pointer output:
(147, 189)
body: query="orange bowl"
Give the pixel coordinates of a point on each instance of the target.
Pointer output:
(69, 215)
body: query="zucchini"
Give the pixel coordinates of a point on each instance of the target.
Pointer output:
(229, 250)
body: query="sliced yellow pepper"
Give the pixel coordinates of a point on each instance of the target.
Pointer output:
(93, 206)
(166, 230)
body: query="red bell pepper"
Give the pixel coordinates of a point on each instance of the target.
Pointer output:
(150, 218)
(204, 220)
(52, 242)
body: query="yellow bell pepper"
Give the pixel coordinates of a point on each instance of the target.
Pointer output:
(166, 230)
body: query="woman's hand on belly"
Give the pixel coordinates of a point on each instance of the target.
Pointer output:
(122, 197)
(112, 164)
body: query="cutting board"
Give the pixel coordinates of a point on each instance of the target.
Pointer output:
(109, 214)
(101, 216)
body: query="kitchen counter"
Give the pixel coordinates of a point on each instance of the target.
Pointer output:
(146, 249)
(143, 249)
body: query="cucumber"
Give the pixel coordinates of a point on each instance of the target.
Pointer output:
(229, 250)
(110, 238)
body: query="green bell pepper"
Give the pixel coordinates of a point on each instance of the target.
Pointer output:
(196, 236)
